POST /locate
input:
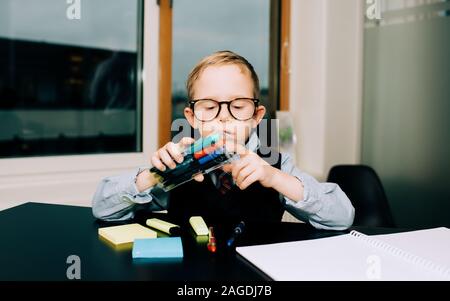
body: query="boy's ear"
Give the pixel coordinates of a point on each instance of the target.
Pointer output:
(189, 115)
(259, 114)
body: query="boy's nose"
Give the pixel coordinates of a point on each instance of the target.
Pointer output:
(224, 115)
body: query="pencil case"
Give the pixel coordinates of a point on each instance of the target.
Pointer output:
(202, 157)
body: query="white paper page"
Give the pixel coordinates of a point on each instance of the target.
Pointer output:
(335, 258)
(432, 244)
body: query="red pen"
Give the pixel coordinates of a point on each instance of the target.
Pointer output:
(205, 151)
(212, 241)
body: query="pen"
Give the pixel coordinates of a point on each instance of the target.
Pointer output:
(204, 156)
(212, 241)
(202, 143)
(205, 151)
(236, 232)
(210, 156)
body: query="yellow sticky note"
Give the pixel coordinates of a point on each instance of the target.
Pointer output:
(125, 234)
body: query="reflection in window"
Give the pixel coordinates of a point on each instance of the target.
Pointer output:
(69, 86)
(201, 27)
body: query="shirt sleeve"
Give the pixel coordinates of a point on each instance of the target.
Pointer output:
(324, 205)
(117, 198)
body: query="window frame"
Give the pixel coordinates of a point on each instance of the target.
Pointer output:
(285, 64)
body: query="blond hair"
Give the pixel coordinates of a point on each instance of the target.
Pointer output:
(220, 58)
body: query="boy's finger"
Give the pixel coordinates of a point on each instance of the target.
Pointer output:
(157, 163)
(227, 167)
(185, 141)
(166, 159)
(174, 152)
(237, 166)
(199, 178)
(244, 173)
(236, 148)
(252, 178)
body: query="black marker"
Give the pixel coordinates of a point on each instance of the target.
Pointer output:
(236, 232)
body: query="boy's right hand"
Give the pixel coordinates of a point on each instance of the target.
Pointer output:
(171, 154)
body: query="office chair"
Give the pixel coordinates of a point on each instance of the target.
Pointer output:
(364, 189)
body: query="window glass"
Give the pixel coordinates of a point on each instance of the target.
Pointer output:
(70, 77)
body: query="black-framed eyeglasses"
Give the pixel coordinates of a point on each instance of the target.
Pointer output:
(241, 109)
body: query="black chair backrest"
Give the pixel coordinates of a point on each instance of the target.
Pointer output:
(364, 189)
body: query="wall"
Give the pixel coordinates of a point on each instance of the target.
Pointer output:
(406, 111)
(325, 95)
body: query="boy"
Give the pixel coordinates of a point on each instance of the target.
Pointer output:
(223, 89)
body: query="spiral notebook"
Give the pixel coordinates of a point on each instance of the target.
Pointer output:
(416, 255)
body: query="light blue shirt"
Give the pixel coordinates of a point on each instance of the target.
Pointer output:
(324, 205)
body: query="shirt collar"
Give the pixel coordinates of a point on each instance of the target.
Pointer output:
(253, 142)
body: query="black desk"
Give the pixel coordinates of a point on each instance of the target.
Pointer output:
(36, 240)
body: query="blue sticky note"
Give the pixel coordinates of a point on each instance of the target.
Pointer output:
(164, 247)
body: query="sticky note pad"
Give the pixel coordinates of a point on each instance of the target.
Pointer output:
(165, 247)
(125, 234)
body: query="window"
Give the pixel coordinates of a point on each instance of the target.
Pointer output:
(192, 29)
(69, 85)
(236, 25)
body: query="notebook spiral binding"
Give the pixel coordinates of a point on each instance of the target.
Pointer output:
(414, 259)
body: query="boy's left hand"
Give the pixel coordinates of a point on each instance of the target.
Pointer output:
(249, 169)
